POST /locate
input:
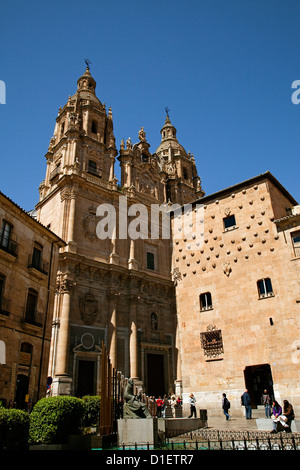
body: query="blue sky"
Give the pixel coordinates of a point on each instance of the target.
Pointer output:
(223, 67)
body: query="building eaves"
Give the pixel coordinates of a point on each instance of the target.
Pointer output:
(58, 239)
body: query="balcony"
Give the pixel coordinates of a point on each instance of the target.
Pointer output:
(33, 317)
(9, 246)
(38, 264)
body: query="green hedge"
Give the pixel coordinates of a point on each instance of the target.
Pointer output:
(53, 419)
(14, 429)
(91, 415)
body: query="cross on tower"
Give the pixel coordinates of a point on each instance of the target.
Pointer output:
(88, 62)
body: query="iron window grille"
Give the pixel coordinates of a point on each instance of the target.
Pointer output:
(212, 343)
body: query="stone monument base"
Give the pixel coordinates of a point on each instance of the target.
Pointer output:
(154, 431)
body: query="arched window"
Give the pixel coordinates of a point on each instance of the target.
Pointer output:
(205, 301)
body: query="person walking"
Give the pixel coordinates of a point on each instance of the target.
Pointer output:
(266, 401)
(192, 402)
(225, 406)
(246, 402)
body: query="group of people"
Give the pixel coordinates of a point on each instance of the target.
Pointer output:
(158, 406)
(282, 417)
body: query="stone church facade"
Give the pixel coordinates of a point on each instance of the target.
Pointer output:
(212, 316)
(116, 289)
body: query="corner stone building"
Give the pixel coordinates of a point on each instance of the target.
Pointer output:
(28, 265)
(117, 290)
(238, 297)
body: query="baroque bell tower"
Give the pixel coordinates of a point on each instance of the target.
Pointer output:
(117, 289)
(82, 147)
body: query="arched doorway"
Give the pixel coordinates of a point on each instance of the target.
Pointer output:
(21, 391)
(257, 379)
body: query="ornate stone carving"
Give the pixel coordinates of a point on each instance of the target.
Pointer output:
(89, 223)
(88, 309)
(227, 268)
(176, 275)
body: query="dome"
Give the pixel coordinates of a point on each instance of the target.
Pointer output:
(169, 139)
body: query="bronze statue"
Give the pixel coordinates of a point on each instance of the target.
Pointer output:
(133, 408)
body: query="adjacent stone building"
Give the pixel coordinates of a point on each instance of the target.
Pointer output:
(115, 289)
(28, 266)
(238, 297)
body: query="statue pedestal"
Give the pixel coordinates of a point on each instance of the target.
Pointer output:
(141, 431)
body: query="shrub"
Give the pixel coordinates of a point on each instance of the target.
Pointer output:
(14, 429)
(91, 411)
(53, 419)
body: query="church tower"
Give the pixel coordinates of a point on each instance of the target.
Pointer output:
(115, 289)
(183, 184)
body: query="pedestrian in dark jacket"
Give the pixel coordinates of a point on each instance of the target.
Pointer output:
(246, 402)
(225, 406)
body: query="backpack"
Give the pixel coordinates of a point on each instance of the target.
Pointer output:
(227, 404)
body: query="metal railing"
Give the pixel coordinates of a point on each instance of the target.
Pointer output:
(38, 263)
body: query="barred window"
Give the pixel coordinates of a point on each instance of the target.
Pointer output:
(212, 342)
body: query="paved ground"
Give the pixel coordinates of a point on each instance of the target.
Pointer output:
(234, 424)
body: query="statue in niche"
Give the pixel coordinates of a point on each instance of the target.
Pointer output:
(154, 322)
(133, 408)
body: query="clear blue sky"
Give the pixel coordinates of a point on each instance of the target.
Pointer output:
(223, 67)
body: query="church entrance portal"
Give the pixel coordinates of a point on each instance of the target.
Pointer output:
(257, 379)
(85, 384)
(155, 375)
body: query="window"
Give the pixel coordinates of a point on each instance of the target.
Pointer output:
(37, 257)
(296, 242)
(92, 167)
(6, 243)
(205, 301)
(36, 261)
(31, 314)
(94, 127)
(185, 174)
(5, 234)
(229, 222)
(265, 288)
(150, 260)
(212, 342)
(62, 129)
(4, 303)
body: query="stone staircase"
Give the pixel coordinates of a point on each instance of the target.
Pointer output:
(178, 412)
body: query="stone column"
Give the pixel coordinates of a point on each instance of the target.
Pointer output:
(133, 340)
(178, 381)
(132, 262)
(62, 354)
(112, 328)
